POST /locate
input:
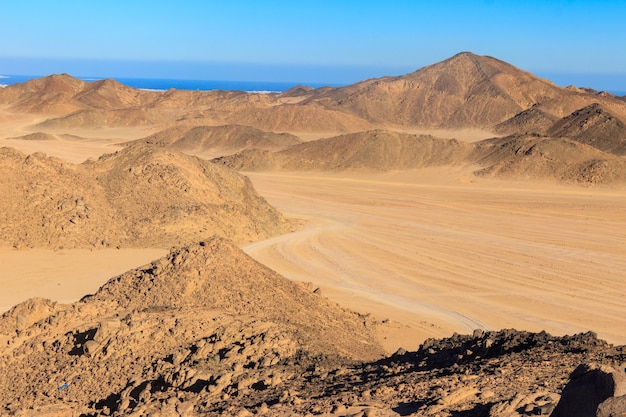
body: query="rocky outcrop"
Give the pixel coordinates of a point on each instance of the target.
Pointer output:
(593, 390)
(142, 196)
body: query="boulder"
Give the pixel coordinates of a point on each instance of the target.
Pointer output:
(589, 386)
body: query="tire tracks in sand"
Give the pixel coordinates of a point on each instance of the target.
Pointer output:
(443, 257)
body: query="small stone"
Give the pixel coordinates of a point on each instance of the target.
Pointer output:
(400, 352)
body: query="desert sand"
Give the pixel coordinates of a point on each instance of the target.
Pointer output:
(442, 254)
(63, 275)
(435, 251)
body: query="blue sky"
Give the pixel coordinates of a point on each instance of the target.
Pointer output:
(579, 42)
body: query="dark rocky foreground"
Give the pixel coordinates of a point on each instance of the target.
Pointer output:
(207, 331)
(506, 373)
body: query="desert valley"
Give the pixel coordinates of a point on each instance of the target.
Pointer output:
(450, 242)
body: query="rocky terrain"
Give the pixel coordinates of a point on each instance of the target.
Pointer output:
(466, 90)
(521, 156)
(207, 330)
(141, 197)
(205, 318)
(378, 150)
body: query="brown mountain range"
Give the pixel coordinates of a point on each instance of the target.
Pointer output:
(531, 157)
(466, 90)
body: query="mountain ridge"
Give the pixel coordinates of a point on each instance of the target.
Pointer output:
(466, 90)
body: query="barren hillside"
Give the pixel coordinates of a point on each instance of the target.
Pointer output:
(522, 157)
(227, 138)
(372, 150)
(593, 125)
(466, 90)
(62, 94)
(206, 318)
(142, 196)
(532, 120)
(539, 158)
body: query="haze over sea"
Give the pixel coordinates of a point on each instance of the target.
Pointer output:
(165, 84)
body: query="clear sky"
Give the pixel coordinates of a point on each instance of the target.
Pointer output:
(328, 41)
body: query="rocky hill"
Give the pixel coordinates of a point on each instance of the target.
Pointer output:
(541, 158)
(517, 157)
(62, 94)
(226, 138)
(208, 331)
(205, 320)
(465, 90)
(101, 119)
(371, 150)
(532, 120)
(141, 196)
(593, 125)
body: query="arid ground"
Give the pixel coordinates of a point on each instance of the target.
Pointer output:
(145, 238)
(442, 254)
(434, 250)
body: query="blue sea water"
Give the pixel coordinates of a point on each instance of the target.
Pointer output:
(206, 85)
(166, 84)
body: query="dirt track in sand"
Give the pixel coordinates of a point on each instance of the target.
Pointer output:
(442, 254)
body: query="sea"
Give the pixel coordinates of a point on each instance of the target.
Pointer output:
(165, 84)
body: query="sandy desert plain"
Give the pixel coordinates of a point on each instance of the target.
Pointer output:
(443, 201)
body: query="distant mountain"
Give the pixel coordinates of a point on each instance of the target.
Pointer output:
(62, 94)
(51, 94)
(465, 90)
(109, 94)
